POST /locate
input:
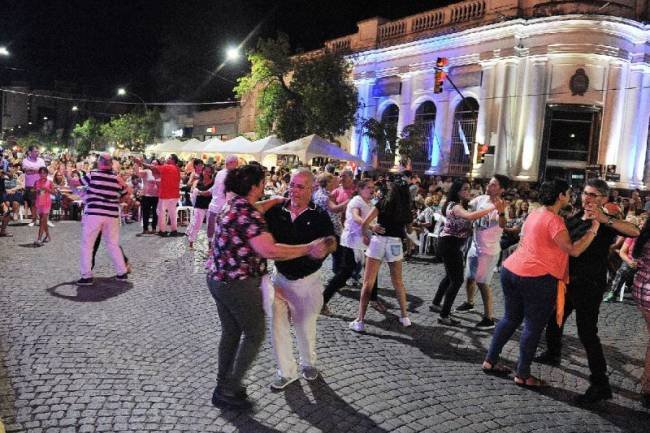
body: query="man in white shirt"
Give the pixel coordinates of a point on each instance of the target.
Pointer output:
(483, 254)
(31, 164)
(219, 194)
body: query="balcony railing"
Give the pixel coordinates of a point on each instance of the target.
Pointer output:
(339, 45)
(431, 20)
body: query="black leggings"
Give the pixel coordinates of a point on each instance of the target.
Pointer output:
(96, 247)
(345, 269)
(149, 205)
(450, 248)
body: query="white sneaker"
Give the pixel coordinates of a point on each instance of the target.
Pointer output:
(357, 326)
(31, 224)
(49, 224)
(405, 321)
(413, 236)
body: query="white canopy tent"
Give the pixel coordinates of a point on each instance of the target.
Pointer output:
(193, 146)
(212, 145)
(313, 146)
(169, 146)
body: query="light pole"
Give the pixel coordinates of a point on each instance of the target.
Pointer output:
(122, 92)
(4, 52)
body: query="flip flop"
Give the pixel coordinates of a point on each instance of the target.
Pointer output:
(531, 382)
(497, 370)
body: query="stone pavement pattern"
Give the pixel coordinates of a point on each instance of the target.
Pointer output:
(141, 357)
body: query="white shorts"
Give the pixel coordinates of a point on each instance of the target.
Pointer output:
(385, 248)
(480, 267)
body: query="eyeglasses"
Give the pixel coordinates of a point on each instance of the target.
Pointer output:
(591, 194)
(297, 186)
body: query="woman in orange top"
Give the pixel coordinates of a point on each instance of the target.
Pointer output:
(530, 277)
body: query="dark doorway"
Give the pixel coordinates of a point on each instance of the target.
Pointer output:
(570, 143)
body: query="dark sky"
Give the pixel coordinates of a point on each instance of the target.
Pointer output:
(164, 50)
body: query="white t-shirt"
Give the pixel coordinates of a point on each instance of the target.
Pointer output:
(28, 164)
(352, 237)
(218, 191)
(487, 233)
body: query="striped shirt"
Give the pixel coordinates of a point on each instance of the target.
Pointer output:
(103, 193)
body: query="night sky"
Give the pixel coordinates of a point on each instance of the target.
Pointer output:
(165, 50)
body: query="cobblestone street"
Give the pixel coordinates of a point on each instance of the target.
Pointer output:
(141, 356)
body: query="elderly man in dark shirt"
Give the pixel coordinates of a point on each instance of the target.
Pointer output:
(297, 282)
(587, 284)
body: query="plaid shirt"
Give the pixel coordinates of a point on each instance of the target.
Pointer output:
(641, 289)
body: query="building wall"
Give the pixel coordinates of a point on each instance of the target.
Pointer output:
(515, 69)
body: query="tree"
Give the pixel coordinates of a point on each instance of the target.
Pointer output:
(132, 131)
(299, 95)
(406, 145)
(87, 134)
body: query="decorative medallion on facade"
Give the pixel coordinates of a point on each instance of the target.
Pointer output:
(579, 83)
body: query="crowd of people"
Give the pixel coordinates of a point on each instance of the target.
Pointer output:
(557, 249)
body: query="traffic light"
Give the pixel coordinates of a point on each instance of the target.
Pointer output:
(440, 74)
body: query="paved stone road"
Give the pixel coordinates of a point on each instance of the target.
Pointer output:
(141, 357)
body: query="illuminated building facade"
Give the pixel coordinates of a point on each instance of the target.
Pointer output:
(551, 88)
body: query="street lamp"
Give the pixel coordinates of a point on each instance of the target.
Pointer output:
(4, 51)
(75, 108)
(122, 92)
(232, 54)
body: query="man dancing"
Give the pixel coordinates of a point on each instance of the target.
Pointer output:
(484, 252)
(588, 282)
(297, 282)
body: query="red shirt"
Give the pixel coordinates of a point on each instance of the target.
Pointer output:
(170, 181)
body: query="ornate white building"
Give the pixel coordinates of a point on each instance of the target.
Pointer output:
(551, 87)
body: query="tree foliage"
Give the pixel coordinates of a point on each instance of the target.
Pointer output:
(87, 135)
(406, 145)
(132, 131)
(298, 96)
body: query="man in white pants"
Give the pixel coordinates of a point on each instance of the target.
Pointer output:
(104, 188)
(297, 282)
(219, 194)
(168, 192)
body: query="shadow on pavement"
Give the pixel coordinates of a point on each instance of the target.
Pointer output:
(413, 301)
(624, 417)
(101, 290)
(329, 412)
(245, 423)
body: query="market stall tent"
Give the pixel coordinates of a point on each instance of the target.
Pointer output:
(313, 146)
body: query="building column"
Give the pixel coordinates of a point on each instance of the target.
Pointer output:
(439, 150)
(630, 145)
(503, 152)
(613, 115)
(641, 162)
(485, 115)
(406, 114)
(527, 164)
(360, 144)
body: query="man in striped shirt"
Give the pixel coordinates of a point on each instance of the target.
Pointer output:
(104, 188)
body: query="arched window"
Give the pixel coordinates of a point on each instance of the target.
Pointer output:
(465, 118)
(425, 117)
(389, 120)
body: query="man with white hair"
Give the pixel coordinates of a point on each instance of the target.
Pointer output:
(104, 188)
(297, 282)
(219, 194)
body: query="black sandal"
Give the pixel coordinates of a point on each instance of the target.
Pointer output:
(496, 370)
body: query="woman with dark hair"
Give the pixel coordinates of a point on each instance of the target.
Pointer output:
(641, 293)
(236, 266)
(454, 234)
(202, 190)
(531, 278)
(393, 213)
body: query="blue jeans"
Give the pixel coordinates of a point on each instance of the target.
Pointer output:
(527, 299)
